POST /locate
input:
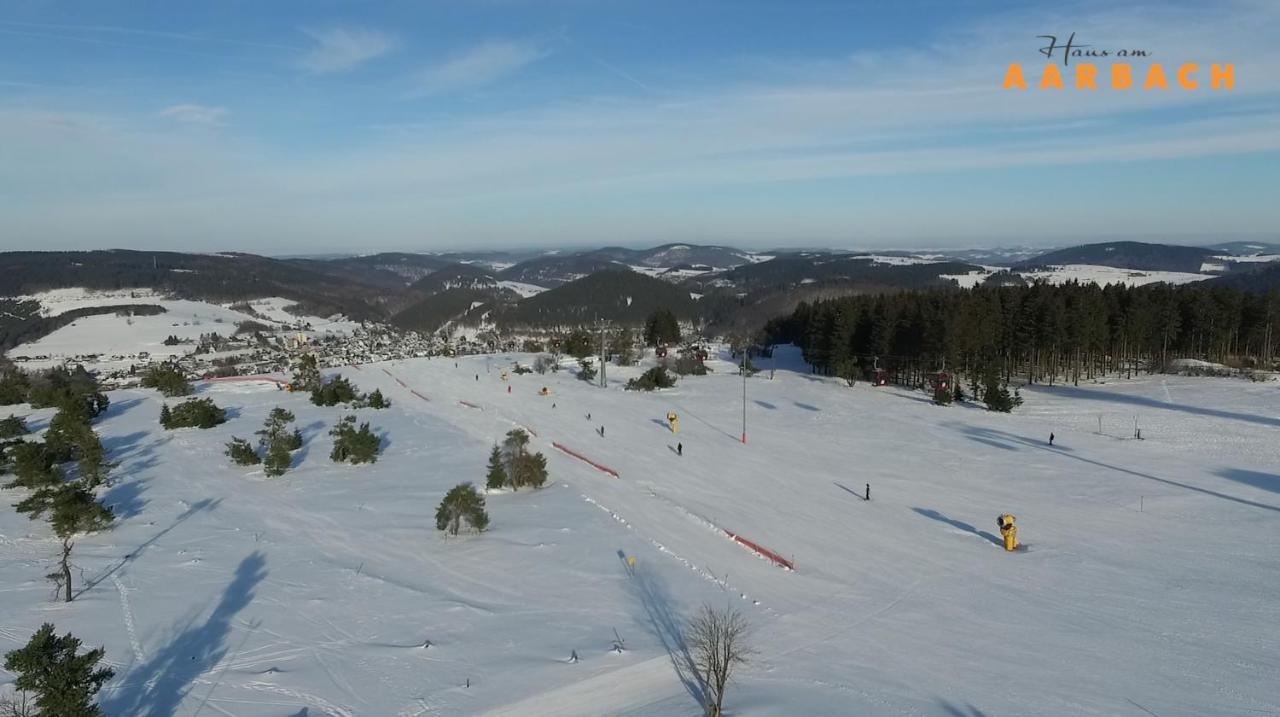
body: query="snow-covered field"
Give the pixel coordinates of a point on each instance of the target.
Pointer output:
(1149, 585)
(523, 289)
(1104, 275)
(108, 334)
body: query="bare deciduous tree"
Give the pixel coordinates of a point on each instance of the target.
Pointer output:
(17, 706)
(718, 640)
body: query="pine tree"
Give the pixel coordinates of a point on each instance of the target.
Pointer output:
(661, 327)
(278, 460)
(64, 682)
(462, 503)
(193, 413)
(32, 466)
(580, 344)
(586, 371)
(847, 369)
(496, 478)
(241, 453)
(533, 470)
(513, 448)
(352, 445)
(72, 510)
(168, 379)
(655, 378)
(377, 400)
(92, 460)
(71, 507)
(306, 375)
(334, 391)
(623, 347)
(998, 399)
(274, 426)
(12, 427)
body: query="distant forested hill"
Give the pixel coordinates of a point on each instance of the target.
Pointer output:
(619, 295)
(1261, 279)
(211, 277)
(1128, 255)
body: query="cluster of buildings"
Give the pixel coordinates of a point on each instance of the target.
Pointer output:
(258, 353)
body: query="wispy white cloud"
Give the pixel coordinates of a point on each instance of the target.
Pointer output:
(480, 65)
(339, 49)
(923, 111)
(196, 114)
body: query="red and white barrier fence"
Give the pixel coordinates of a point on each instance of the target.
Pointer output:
(760, 550)
(235, 379)
(598, 466)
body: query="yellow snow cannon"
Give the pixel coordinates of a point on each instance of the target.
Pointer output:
(673, 420)
(544, 391)
(1008, 530)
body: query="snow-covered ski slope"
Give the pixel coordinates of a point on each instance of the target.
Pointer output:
(1148, 587)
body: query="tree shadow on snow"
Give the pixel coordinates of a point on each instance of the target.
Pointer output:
(206, 504)
(118, 408)
(806, 406)
(1110, 397)
(666, 625)
(1265, 481)
(765, 404)
(115, 446)
(125, 499)
(1066, 453)
(957, 711)
(300, 455)
(935, 515)
(157, 687)
(311, 430)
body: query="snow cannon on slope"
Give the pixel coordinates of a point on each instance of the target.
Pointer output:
(673, 420)
(1008, 530)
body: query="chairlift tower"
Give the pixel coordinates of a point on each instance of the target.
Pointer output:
(602, 326)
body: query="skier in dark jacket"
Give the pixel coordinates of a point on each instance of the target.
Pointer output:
(679, 449)
(1051, 439)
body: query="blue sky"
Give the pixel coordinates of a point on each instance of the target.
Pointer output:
(288, 127)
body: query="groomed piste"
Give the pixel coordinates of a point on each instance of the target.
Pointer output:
(328, 590)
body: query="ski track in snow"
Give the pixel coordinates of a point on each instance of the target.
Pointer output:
(138, 653)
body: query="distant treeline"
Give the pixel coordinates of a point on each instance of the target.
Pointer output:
(21, 322)
(1040, 332)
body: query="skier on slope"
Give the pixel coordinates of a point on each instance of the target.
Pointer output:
(1050, 438)
(679, 449)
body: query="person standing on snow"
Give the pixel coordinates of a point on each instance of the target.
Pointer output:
(1050, 438)
(679, 449)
